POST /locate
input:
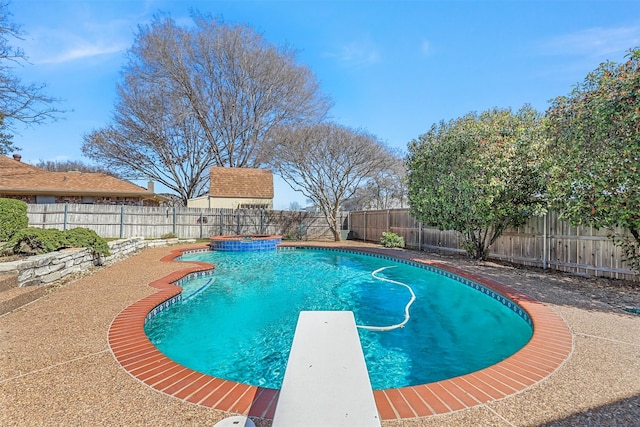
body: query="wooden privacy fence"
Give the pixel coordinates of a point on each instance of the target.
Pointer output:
(113, 221)
(546, 242)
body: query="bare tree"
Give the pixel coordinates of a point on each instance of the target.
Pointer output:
(328, 163)
(74, 165)
(202, 96)
(147, 142)
(385, 190)
(294, 206)
(19, 102)
(290, 224)
(6, 139)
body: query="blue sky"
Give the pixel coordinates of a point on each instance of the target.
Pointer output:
(392, 68)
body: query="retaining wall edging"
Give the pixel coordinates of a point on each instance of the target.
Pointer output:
(47, 268)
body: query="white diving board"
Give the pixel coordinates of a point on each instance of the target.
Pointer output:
(326, 382)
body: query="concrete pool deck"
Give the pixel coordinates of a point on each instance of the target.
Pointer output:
(56, 367)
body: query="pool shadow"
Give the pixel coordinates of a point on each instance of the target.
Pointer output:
(622, 412)
(263, 406)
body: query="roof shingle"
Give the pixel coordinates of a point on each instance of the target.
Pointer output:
(241, 183)
(16, 176)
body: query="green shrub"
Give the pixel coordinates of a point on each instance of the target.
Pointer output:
(170, 235)
(13, 217)
(85, 238)
(391, 240)
(33, 241)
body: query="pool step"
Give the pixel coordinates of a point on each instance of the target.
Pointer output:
(13, 297)
(326, 382)
(8, 280)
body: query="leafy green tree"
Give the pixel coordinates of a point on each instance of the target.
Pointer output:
(478, 175)
(594, 146)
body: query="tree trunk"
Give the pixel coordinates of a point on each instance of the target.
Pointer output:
(336, 227)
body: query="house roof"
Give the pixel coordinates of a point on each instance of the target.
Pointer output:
(17, 177)
(246, 183)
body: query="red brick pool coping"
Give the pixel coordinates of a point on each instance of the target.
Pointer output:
(550, 345)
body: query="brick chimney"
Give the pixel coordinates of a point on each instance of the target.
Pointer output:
(150, 186)
(17, 157)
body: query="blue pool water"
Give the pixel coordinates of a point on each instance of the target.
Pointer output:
(238, 323)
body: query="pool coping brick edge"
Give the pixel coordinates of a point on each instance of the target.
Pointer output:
(549, 347)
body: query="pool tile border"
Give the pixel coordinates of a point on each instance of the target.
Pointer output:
(511, 305)
(249, 243)
(549, 347)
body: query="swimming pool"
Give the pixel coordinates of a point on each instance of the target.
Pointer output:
(238, 323)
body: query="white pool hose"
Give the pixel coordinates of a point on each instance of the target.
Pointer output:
(406, 309)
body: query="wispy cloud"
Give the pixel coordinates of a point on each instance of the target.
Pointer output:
(74, 43)
(425, 47)
(362, 53)
(81, 52)
(593, 42)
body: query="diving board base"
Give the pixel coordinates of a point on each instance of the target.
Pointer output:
(326, 382)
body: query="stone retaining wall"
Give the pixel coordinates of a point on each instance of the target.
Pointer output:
(48, 268)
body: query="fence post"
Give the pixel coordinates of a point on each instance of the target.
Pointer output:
(388, 220)
(122, 221)
(544, 241)
(262, 221)
(419, 235)
(175, 225)
(66, 213)
(364, 220)
(221, 222)
(201, 220)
